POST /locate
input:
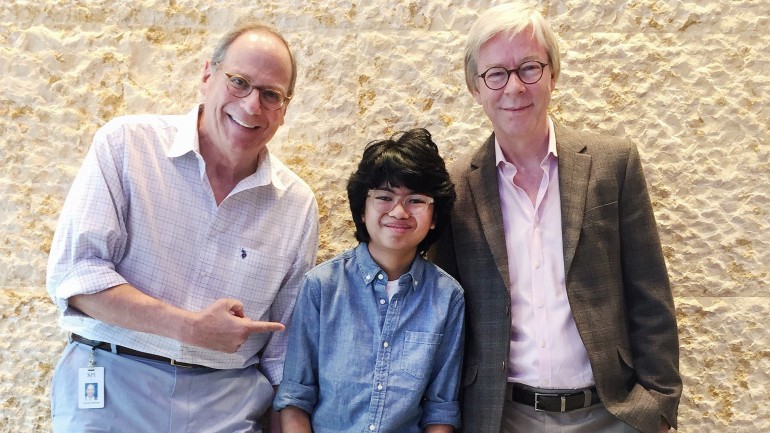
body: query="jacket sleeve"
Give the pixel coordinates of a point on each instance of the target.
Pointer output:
(649, 302)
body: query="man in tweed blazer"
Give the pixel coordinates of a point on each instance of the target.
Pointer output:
(570, 323)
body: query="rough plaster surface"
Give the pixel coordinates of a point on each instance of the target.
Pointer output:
(687, 80)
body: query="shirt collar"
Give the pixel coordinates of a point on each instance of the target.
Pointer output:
(500, 158)
(186, 141)
(370, 271)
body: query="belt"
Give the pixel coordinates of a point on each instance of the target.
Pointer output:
(120, 350)
(564, 401)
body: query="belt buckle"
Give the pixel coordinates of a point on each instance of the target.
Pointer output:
(179, 364)
(563, 399)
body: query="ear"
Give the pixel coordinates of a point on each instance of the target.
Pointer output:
(208, 70)
(553, 81)
(477, 96)
(283, 113)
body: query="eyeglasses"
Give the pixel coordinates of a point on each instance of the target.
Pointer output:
(385, 201)
(240, 87)
(497, 77)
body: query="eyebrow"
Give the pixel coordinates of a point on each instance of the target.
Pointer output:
(251, 81)
(525, 59)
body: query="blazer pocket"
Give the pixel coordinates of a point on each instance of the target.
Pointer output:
(626, 357)
(626, 377)
(469, 374)
(600, 213)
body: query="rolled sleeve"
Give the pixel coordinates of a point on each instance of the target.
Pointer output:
(295, 394)
(86, 277)
(441, 405)
(90, 235)
(299, 386)
(435, 412)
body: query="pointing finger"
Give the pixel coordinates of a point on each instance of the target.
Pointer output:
(257, 326)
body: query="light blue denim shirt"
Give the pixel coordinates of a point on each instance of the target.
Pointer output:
(358, 363)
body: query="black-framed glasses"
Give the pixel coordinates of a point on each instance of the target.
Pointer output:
(497, 77)
(385, 201)
(240, 87)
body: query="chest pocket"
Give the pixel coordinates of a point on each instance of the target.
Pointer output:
(419, 351)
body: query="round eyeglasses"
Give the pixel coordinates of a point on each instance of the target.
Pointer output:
(497, 77)
(385, 201)
(240, 87)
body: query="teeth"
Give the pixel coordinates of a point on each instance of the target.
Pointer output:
(241, 123)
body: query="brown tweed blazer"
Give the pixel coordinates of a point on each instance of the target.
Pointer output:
(616, 278)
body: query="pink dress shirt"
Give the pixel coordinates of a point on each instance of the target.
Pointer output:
(546, 350)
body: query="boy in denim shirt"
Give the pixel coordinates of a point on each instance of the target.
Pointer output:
(375, 343)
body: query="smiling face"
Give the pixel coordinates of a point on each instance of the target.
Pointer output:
(396, 233)
(241, 127)
(518, 111)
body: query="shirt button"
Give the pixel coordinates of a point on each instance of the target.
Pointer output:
(371, 427)
(385, 344)
(379, 277)
(368, 277)
(379, 387)
(542, 343)
(537, 264)
(382, 302)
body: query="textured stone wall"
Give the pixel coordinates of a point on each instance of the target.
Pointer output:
(687, 80)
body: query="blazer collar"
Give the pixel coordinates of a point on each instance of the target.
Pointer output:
(482, 179)
(574, 173)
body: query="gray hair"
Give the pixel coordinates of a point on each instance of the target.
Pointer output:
(224, 44)
(510, 19)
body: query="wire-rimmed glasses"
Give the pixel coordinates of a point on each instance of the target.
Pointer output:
(240, 87)
(385, 201)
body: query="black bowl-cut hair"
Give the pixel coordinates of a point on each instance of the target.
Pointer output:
(408, 159)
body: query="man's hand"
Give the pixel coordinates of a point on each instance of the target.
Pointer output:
(439, 428)
(295, 420)
(664, 427)
(223, 327)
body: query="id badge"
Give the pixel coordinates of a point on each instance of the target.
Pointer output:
(91, 388)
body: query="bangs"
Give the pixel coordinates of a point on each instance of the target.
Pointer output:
(391, 169)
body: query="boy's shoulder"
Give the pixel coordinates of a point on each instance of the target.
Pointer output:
(332, 265)
(442, 279)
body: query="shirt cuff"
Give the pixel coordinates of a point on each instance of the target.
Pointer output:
(297, 395)
(446, 412)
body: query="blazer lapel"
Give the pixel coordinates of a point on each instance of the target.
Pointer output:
(574, 173)
(482, 180)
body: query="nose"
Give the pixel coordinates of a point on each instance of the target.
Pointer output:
(399, 211)
(250, 103)
(514, 84)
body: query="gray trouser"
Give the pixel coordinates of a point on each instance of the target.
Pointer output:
(519, 418)
(150, 396)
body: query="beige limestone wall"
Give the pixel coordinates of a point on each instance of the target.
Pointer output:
(688, 80)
